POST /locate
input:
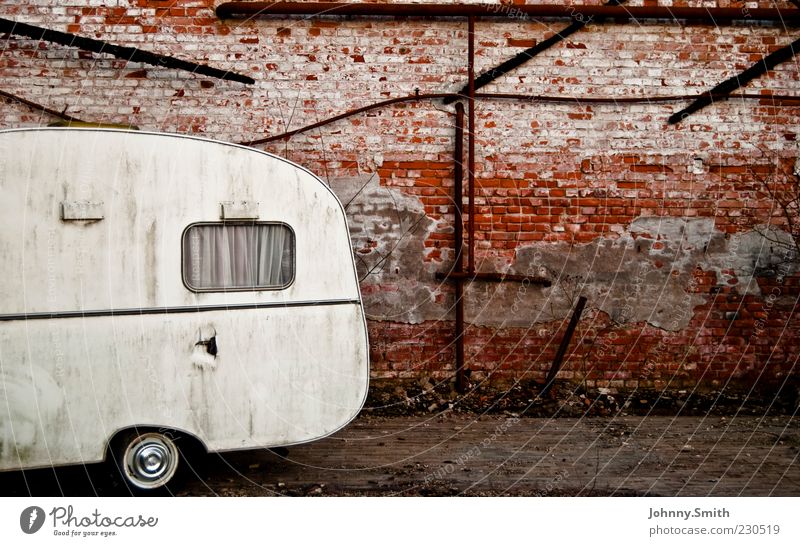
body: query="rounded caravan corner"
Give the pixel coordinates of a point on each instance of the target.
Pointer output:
(351, 346)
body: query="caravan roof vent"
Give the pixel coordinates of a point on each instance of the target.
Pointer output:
(81, 210)
(239, 210)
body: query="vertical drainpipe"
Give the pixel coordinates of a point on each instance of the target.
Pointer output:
(458, 226)
(461, 380)
(471, 160)
(460, 334)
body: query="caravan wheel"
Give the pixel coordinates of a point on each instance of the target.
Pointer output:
(148, 460)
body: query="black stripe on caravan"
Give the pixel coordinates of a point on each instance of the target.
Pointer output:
(172, 310)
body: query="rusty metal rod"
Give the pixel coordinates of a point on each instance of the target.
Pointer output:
(562, 349)
(471, 141)
(460, 334)
(722, 90)
(784, 16)
(343, 115)
(492, 277)
(625, 100)
(458, 225)
(130, 54)
(458, 188)
(790, 99)
(37, 106)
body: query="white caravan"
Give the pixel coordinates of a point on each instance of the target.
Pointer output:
(160, 287)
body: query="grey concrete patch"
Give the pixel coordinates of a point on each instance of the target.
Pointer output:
(762, 252)
(388, 229)
(620, 277)
(643, 276)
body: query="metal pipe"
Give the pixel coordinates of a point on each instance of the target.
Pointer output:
(493, 277)
(562, 349)
(517, 12)
(774, 100)
(458, 224)
(458, 187)
(343, 115)
(627, 100)
(461, 379)
(39, 107)
(471, 152)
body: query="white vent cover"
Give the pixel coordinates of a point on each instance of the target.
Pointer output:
(239, 210)
(81, 210)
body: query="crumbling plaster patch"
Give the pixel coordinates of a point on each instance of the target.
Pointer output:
(388, 229)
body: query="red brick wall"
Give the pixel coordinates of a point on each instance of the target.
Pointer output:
(547, 173)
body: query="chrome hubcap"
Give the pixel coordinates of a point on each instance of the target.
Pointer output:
(151, 461)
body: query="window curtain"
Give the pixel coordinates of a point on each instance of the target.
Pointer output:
(238, 256)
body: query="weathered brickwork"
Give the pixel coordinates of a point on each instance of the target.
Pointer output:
(675, 233)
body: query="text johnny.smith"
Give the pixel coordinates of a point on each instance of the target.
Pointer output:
(686, 514)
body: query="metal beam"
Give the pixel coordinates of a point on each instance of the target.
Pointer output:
(493, 277)
(471, 143)
(458, 267)
(724, 89)
(122, 52)
(562, 348)
(228, 10)
(521, 58)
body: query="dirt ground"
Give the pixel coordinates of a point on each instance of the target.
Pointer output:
(450, 453)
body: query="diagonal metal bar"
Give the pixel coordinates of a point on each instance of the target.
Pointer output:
(562, 348)
(121, 52)
(724, 89)
(578, 22)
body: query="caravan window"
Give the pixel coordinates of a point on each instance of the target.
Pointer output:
(253, 256)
